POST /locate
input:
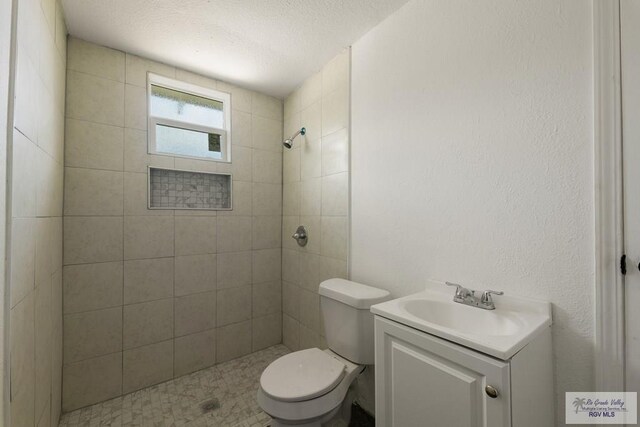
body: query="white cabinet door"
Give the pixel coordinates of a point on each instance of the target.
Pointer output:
(422, 380)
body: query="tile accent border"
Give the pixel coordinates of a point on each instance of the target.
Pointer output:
(181, 189)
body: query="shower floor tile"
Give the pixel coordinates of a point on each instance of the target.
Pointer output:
(223, 395)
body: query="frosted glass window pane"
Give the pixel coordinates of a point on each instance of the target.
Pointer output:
(186, 142)
(185, 107)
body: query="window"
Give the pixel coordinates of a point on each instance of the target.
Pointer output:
(186, 120)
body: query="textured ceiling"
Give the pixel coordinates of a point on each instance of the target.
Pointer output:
(267, 45)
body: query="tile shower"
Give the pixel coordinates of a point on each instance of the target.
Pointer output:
(149, 296)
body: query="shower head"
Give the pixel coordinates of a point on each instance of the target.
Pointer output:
(288, 143)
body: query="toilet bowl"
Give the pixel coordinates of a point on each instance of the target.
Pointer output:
(308, 387)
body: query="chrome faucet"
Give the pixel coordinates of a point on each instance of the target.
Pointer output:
(468, 297)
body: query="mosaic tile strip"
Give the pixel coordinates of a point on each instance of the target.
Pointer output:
(176, 189)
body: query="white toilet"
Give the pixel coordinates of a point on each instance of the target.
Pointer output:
(307, 387)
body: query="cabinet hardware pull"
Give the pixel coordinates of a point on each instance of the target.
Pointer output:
(491, 391)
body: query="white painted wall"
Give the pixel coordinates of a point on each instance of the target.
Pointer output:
(472, 159)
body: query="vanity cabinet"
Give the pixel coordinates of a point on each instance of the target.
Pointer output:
(423, 380)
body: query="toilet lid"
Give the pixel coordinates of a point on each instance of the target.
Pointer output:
(301, 375)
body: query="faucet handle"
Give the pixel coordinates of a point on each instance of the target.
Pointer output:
(458, 287)
(486, 296)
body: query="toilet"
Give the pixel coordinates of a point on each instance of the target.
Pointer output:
(307, 387)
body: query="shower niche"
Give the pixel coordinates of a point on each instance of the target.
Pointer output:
(181, 189)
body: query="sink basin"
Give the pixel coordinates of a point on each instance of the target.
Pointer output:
(464, 318)
(499, 333)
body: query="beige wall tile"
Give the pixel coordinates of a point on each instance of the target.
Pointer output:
(335, 152)
(196, 79)
(292, 104)
(135, 196)
(137, 68)
(310, 271)
(311, 90)
(93, 192)
(310, 159)
(291, 198)
(240, 97)
(92, 333)
(22, 361)
(26, 90)
(195, 273)
(93, 59)
(148, 280)
(266, 106)
(234, 269)
(309, 338)
(147, 365)
(195, 235)
(336, 74)
(311, 197)
(335, 111)
(242, 200)
(266, 134)
(311, 120)
(136, 158)
(267, 166)
(194, 352)
(93, 145)
(24, 180)
(43, 346)
(234, 233)
(331, 267)
(148, 237)
(233, 305)
(310, 309)
(240, 166)
(91, 381)
(135, 107)
(95, 99)
(267, 331)
(240, 128)
(267, 232)
(233, 341)
(334, 240)
(266, 265)
(267, 199)
(195, 313)
(23, 253)
(92, 286)
(49, 189)
(147, 323)
(291, 266)
(335, 194)
(92, 239)
(291, 300)
(290, 333)
(267, 299)
(290, 224)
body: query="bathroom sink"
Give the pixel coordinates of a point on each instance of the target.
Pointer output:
(500, 333)
(459, 317)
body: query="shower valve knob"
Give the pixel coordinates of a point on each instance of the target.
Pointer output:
(300, 236)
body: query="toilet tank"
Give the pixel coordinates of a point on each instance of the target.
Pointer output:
(348, 323)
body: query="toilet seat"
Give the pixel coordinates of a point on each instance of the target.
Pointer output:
(314, 408)
(302, 375)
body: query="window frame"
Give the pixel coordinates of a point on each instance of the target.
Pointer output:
(180, 86)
